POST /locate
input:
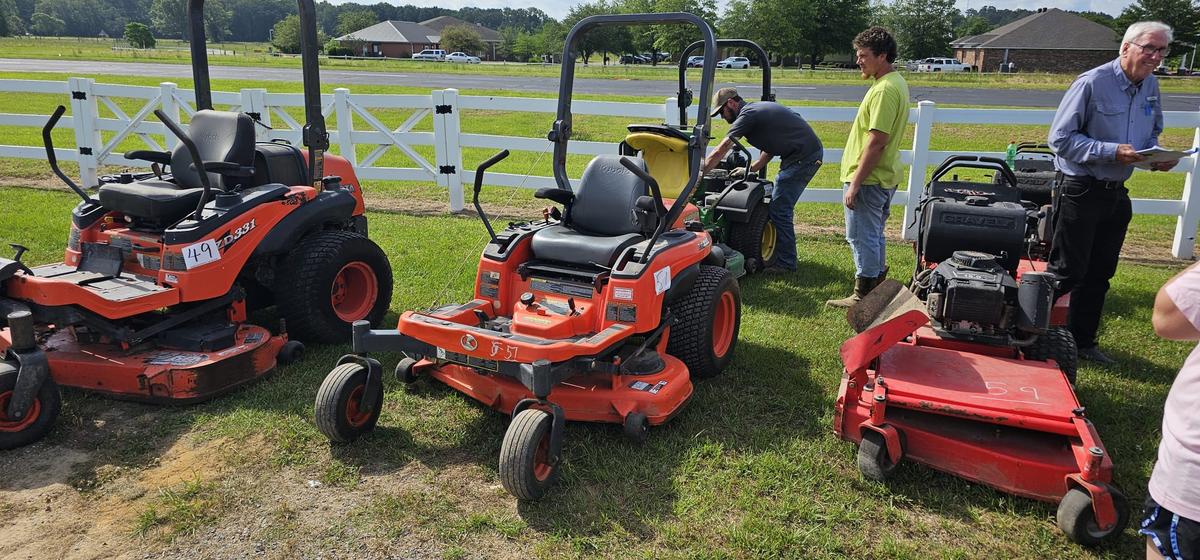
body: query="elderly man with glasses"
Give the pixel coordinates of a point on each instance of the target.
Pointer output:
(1108, 114)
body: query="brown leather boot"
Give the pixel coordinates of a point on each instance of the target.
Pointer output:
(862, 286)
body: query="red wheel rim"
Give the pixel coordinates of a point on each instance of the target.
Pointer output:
(354, 291)
(541, 459)
(355, 416)
(7, 425)
(724, 320)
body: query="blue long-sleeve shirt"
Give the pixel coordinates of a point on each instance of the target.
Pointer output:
(1099, 111)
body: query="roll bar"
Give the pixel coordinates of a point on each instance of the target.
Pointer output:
(684, 97)
(560, 134)
(315, 135)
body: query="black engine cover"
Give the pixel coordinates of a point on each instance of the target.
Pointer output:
(971, 287)
(997, 229)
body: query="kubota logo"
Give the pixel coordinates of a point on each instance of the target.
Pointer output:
(468, 342)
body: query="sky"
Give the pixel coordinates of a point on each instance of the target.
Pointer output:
(559, 8)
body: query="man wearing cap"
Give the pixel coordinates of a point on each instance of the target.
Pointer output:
(871, 160)
(776, 131)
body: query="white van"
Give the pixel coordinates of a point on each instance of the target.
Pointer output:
(431, 54)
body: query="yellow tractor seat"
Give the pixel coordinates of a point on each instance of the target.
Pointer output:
(666, 158)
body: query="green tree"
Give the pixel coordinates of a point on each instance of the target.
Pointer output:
(831, 27)
(606, 39)
(461, 38)
(139, 36)
(971, 26)
(168, 18)
(1182, 15)
(46, 25)
(16, 26)
(287, 35)
(349, 22)
(673, 38)
(922, 28)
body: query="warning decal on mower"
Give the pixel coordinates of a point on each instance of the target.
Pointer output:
(175, 358)
(662, 280)
(200, 253)
(643, 386)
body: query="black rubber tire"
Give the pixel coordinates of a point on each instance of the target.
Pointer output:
(746, 238)
(637, 427)
(404, 370)
(336, 410)
(691, 336)
(306, 278)
(1076, 518)
(1057, 344)
(525, 448)
(291, 352)
(48, 403)
(873, 460)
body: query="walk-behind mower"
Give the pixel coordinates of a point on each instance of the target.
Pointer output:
(602, 312)
(959, 381)
(733, 209)
(150, 302)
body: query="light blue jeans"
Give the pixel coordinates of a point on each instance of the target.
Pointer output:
(789, 185)
(864, 228)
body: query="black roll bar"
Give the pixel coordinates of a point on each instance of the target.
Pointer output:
(685, 96)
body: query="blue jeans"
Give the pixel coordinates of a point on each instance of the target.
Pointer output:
(864, 228)
(789, 185)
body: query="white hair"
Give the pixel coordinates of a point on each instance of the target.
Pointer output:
(1140, 28)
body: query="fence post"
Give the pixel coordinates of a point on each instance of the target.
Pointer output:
(170, 108)
(671, 110)
(447, 137)
(85, 113)
(916, 173)
(1185, 226)
(345, 125)
(254, 103)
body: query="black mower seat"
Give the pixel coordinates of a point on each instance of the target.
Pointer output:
(601, 223)
(160, 201)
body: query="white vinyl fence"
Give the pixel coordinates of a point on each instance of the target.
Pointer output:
(92, 150)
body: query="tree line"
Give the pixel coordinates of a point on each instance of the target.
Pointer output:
(793, 31)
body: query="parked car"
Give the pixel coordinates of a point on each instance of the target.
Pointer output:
(913, 65)
(633, 59)
(943, 65)
(695, 62)
(431, 54)
(462, 58)
(734, 62)
(1162, 70)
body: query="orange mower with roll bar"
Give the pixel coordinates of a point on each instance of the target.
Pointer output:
(603, 311)
(150, 302)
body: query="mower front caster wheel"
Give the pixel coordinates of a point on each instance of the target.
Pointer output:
(873, 460)
(526, 469)
(38, 419)
(338, 412)
(1077, 519)
(637, 427)
(405, 371)
(291, 352)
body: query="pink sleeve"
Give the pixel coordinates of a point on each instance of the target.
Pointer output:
(1185, 293)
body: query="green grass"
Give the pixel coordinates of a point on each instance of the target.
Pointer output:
(749, 469)
(257, 55)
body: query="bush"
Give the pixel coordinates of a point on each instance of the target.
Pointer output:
(339, 51)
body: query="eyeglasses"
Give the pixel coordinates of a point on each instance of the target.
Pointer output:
(1161, 51)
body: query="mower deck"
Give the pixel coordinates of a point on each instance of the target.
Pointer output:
(157, 374)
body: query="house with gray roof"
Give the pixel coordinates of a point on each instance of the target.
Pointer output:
(1049, 40)
(491, 37)
(393, 39)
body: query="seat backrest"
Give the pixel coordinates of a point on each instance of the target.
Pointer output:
(606, 197)
(666, 159)
(219, 136)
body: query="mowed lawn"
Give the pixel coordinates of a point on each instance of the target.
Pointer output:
(750, 469)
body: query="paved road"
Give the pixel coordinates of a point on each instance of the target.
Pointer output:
(665, 88)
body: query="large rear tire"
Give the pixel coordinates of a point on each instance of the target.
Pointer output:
(526, 470)
(1056, 344)
(338, 411)
(329, 280)
(706, 322)
(38, 420)
(756, 239)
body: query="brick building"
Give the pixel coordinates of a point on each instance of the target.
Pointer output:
(393, 39)
(491, 37)
(1049, 40)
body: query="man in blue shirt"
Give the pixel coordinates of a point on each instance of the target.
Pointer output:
(1106, 116)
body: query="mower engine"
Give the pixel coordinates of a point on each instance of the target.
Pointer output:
(971, 296)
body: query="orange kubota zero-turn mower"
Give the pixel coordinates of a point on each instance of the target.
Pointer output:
(150, 301)
(601, 312)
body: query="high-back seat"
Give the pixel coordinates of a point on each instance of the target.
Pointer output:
(600, 221)
(665, 150)
(220, 136)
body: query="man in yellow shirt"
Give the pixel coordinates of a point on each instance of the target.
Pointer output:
(871, 161)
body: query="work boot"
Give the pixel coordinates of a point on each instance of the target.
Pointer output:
(1094, 354)
(862, 286)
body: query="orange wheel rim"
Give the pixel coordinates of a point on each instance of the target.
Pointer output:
(724, 320)
(355, 415)
(7, 425)
(541, 459)
(354, 291)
